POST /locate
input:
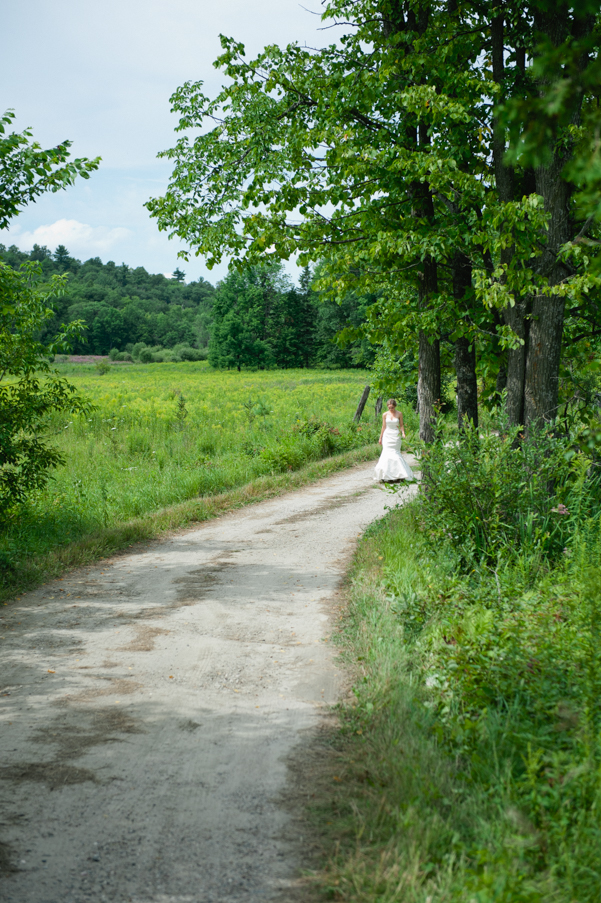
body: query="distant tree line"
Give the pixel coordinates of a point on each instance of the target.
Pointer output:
(261, 320)
(253, 319)
(121, 305)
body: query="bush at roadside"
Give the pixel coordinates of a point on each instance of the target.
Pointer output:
(310, 440)
(492, 494)
(474, 743)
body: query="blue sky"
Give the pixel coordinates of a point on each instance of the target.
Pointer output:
(101, 74)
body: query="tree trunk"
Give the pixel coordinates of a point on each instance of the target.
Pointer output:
(465, 350)
(428, 383)
(542, 365)
(516, 363)
(467, 386)
(546, 329)
(361, 404)
(378, 408)
(501, 382)
(514, 317)
(503, 174)
(428, 386)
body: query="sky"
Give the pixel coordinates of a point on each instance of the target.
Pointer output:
(101, 74)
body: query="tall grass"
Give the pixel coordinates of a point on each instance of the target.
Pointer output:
(162, 434)
(472, 751)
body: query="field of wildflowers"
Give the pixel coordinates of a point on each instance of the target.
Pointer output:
(163, 433)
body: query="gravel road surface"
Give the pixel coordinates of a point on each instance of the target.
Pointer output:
(149, 705)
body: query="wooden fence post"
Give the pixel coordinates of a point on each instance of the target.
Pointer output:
(362, 404)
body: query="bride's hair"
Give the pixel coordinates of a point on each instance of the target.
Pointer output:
(391, 401)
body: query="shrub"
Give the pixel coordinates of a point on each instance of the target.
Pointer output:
(504, 676)
(145, 356)
(288, 454)
(489, 494)
(137, 349)
(187, 353)
(114, 354)
(102, 367)
(27, 400)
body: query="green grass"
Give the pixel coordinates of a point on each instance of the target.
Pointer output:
(468, 763)
(165, 434)
(104, 541)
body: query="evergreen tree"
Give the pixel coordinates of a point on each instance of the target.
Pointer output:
(61, 257)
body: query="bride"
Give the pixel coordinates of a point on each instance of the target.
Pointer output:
(392, 467)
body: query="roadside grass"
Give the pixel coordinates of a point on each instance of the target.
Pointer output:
(161, 435)
(71, 551)
(468, 761)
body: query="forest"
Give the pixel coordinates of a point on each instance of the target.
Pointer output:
(257, 319)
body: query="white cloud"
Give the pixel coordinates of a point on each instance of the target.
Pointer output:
(81, 239)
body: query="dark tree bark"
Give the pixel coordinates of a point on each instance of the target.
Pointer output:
(378, 406)
(501, 381)
(428, 386)
(467, 386)
(428, 382)
(503, 173)
(465, 351)
(546, 329)
(513, 316)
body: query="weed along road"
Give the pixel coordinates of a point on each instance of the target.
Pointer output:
(150, 705)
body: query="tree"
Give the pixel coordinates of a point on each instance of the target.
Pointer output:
(62, 258)
(27, 171)
(349, 130)
(543, 104)
(245, 306)
(139, 305)
(26, 456)
(386, 152)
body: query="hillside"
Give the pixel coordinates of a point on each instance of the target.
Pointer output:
(258, 319)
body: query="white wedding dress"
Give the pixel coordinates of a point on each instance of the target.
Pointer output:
(392, 465)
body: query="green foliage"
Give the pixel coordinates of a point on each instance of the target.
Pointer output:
(383, 156)
(310, 440)
(257, 318)
(260, 321)
(493, 495)
(162, 434)
(27, 171)
(120, 305)
(29, 389)
(470, 766)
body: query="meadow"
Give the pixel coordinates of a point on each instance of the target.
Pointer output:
(159, 434)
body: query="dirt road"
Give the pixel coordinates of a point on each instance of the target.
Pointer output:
(149, 704)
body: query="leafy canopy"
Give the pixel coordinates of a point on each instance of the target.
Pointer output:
(27, 171)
